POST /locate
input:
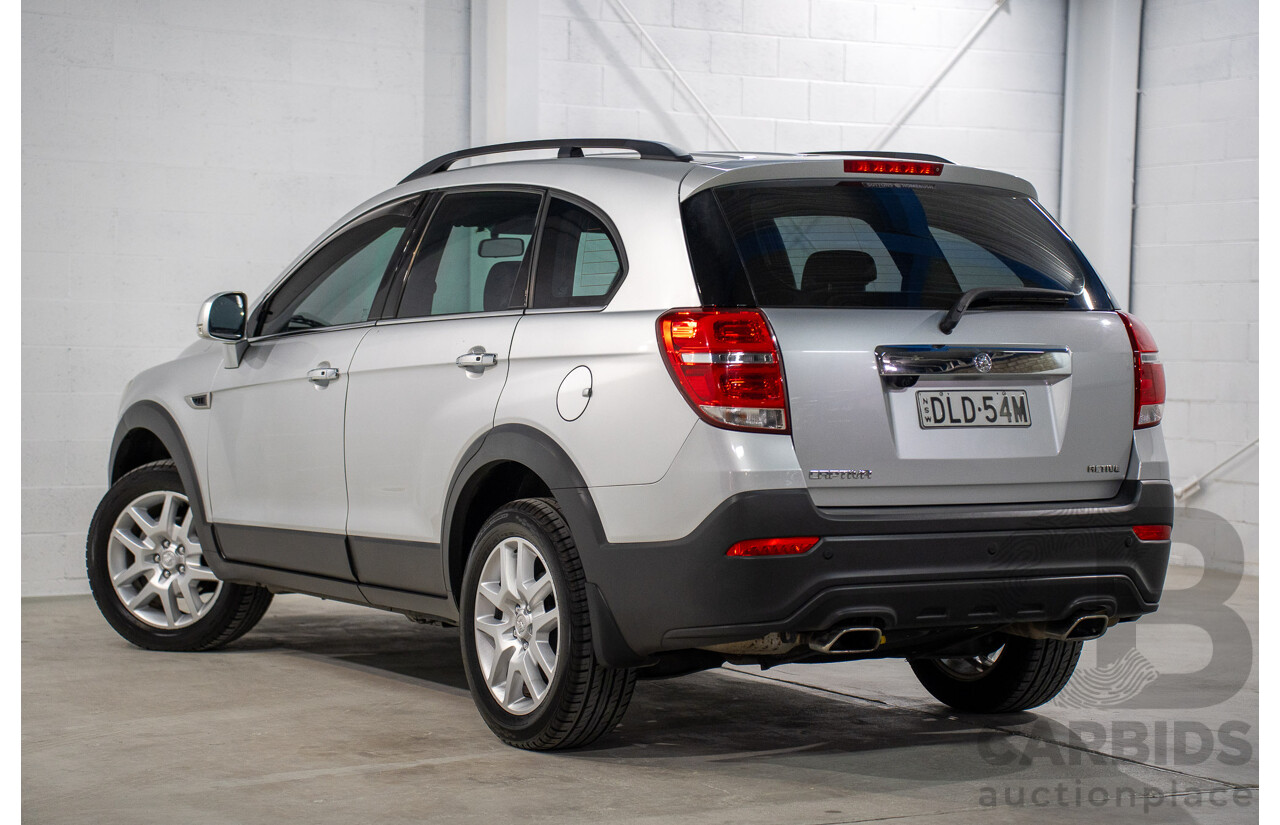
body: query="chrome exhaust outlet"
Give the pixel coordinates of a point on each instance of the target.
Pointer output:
(1079, 629)
(847, 640)
(1085, 628)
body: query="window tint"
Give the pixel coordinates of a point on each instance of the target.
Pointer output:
(848, 243)
(807, 235)
(474, 255)
(578, 262)
(974, 266)
(338, 284)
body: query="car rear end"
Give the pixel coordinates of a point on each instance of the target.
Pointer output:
(975, 426)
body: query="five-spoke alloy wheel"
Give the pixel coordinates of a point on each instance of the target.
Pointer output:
(148, 573)
(526, 640)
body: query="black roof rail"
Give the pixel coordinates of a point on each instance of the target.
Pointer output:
(569, 148)
(899, 155)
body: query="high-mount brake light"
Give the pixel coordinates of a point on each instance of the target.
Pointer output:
(1148, 374)
(727, 365)
(893, 167)
(773, 547)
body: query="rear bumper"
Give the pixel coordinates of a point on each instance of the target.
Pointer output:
(898, 568)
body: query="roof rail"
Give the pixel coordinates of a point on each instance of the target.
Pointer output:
(569, 148)
(899, 155)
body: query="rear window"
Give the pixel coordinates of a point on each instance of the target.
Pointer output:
(859, 244)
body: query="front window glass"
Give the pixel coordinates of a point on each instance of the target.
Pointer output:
(338, 284)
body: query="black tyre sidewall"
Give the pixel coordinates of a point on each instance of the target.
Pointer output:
(513, 729)
(197, 636)
(1005, 687)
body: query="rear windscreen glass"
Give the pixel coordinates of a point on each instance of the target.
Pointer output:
(857, 244)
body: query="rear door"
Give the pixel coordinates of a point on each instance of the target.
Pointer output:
(1019, 403)
(425, 384)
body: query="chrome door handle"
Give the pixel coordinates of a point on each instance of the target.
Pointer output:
(322, 375)
(477, 361)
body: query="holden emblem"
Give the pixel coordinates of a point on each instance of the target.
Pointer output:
(982, 362)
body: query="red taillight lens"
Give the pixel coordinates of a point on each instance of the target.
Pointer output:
(1153, 532)
(1148, 374)
(893, 167)
(773, 547)
(727, 365)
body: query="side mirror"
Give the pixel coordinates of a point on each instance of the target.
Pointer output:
(501, 248)
(222, 317)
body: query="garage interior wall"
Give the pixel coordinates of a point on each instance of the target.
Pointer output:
(1195, 244)
(175, 149)
(808, 75)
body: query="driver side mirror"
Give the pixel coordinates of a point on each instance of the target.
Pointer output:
(222, 317)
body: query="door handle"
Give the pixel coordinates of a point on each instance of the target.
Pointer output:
(322, 375)
(477, 360)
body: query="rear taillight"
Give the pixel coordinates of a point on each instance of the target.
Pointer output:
(726, 363)
(1148, 374)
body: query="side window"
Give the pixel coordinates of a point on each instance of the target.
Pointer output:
(578, 262)
(338, 284)
(474, 255)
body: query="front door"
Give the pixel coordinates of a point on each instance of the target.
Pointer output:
(277, 482)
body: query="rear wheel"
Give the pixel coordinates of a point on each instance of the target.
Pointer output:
(1020, 674)
(147, 569)
(526, 635)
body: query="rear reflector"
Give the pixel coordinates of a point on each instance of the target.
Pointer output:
(773, 547)
(1153, 532)
(1148, 374)
(893, 167)
(727, 365)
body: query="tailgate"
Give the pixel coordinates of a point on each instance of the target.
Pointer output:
(1014, 406)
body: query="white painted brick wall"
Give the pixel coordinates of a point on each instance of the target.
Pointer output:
(814, 74)
(1195, 273)
(172, 149)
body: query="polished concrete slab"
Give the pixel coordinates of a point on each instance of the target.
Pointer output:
(333, 713)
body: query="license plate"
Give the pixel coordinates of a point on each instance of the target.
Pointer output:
(972, 408)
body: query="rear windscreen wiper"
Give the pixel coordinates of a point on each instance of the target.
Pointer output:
(993, 295)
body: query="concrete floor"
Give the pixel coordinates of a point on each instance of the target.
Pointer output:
(332, 713)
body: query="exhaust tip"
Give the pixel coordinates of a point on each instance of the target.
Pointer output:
(1086, 628)
(847, 640)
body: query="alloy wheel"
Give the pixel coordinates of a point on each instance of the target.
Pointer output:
(970, 668)
(517, 625)
(156, 564)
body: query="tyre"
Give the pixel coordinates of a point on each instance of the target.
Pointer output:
(1021, 674)
(526, 634)
(147, 570)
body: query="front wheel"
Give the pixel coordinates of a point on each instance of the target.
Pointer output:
(147, 569)
(1020, 674)
(526, 634)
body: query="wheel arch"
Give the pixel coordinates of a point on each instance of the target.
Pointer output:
(147, 432)
(509, 462)
(503, 464)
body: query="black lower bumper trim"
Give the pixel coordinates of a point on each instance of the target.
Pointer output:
(901, 568)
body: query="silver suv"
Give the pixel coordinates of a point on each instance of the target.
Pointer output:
(622, 417)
